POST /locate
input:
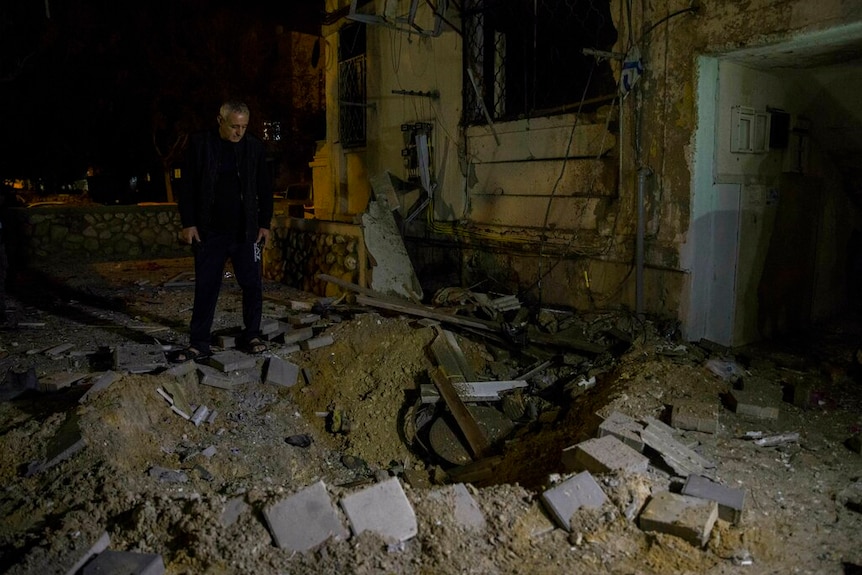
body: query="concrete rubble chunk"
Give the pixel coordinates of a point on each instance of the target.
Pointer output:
(125, 563)
(67, 441)
(759, 398)
(59, 350)
(383, 509)
(100, 383)
(298, 335)
(100, 545)
(231, 360)
(689, 518)
(580, 490)
(181, 369)
(61, 380)
(216, 378)
(730, 500)
(464, 508)
(281, 372)
(602, 455)
(139, 358)
(316, 342)
(683, 460)
(304, 520)
(624, 428)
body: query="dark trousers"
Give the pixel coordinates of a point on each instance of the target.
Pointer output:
(211, 255)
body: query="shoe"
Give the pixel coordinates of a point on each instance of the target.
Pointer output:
(188, 354)
(255, 345)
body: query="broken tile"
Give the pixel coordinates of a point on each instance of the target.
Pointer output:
(110, 562)
(304, 520)
(383, 509)
(689, 518)
(577, 491)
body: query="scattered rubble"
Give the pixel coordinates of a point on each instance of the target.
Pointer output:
(384, 436)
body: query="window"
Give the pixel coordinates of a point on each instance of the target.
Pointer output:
(351, 85)
(524, 58)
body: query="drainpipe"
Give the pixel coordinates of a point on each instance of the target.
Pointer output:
(643, 174)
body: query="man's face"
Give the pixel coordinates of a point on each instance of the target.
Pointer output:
(233, 127)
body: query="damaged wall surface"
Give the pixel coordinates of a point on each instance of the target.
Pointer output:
(632, 198)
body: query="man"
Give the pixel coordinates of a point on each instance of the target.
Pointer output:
(225, 205)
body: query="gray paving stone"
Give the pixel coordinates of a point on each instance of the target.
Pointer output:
(296, 335)
(82, 556)
(689, 518)
(602, 455)
(577, 491)
(624, 428)
(730, 500)
(281, 372)
(125, 563)
(464, 508)
(316, 342)
(383, 509)
(231, 360)
(139, 358)
(304, 520)
(217, 378)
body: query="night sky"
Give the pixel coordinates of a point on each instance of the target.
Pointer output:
(106, 85)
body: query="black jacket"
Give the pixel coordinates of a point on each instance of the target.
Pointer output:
(196, 192)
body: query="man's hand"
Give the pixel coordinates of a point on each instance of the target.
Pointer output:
(262, 236)
(190, 235)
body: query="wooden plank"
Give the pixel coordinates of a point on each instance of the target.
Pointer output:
(423, 311)
(476, 439)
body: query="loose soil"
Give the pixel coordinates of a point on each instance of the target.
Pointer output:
(157, 483)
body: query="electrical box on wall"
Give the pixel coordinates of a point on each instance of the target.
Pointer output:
(750, 133)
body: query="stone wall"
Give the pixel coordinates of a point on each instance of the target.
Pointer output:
(94, 233)
(298, 250)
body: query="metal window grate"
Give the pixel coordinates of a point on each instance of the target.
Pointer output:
(351, 102)
(527, 60)
(352, 98)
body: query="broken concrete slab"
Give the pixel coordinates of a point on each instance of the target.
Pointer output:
(297, 335)
(462, 505)
(67, 441)
(730, 500)
(139, 358)
(181, 369)
(316, 342)
(683, 460)
(231, 360)
(304, 520)
(695, 416)
(85, 555)
(59, 350)
(216, 378)
(624, 428)
(100, 382)
(125, 563)
(393, 272)
(689, 518)
(281, 372)
(383, 509)
(61, 380)
(563, 500)
(761, 402)
(602, 455)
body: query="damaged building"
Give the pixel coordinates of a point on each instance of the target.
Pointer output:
(573, 288)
